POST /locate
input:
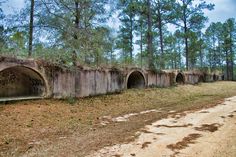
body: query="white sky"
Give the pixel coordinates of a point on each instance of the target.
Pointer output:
(224, 9)
(12, 5)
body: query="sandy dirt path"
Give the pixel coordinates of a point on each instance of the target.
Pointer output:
(208, 132)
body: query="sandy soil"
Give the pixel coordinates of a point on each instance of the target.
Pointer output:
(209, 132)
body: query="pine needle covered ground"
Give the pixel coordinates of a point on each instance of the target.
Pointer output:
(62, 127)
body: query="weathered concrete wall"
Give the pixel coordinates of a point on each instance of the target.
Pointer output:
(92, 82)
(39, 78)
(63, 83)
(191, 78)
(160, 79)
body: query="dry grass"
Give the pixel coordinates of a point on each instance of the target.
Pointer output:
(62, 128)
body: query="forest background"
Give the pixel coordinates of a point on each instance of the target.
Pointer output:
(154, 34)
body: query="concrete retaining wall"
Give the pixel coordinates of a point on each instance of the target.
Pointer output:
(53, 81)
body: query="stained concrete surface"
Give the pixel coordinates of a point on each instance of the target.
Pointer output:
(27, 78)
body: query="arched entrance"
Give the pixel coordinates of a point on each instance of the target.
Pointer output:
(201, 78)
(136, 80)
(180, 78)
(20, 81)
(215, 77)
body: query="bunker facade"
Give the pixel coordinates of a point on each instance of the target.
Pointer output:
(40, 79)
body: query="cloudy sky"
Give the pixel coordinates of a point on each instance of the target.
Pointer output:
(224, 9)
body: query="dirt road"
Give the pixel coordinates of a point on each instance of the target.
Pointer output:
(209, 132)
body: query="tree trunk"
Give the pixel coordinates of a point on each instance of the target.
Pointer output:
(231, 58)
(227, 65)
(31, 26)
(201, 57)
(141, 43)
(179, 49)
(149, 37)
(186, 37)
(162, 62)
(200, 53)
(186, 45)
(74, 54)
(131, 37)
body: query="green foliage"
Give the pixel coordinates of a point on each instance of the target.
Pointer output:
(190, 18)
(71, 100)
(2, 40)
(71, 31)
(126, 33)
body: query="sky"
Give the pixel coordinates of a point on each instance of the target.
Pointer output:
(224, 9)
(12, 5)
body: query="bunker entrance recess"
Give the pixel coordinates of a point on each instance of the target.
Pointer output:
(202, 78)
(20, 81)
(215, 77)
(180, 78)
(135, 80)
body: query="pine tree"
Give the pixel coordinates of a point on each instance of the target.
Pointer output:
(75, 23)
(190, 18)
(150, 36)
(228, 46)
(2, 40)
(31, 27)
(127, 28)
(163, 11)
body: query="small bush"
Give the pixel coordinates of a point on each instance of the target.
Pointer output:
(71, 100)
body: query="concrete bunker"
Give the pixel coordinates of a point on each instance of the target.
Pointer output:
(20, 81)
(135, 80)
(180, 78)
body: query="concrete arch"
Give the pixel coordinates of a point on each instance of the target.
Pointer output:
(135, 79)
(180, 78)
(22, 81)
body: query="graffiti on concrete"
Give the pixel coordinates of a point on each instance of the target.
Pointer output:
(7, 78)
(20, 81)
(37, 85)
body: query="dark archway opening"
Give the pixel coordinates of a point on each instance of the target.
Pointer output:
(21, 81)
(215, 78)
(180, 78)
(202, 78)
(223, 77)
(136, 80)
